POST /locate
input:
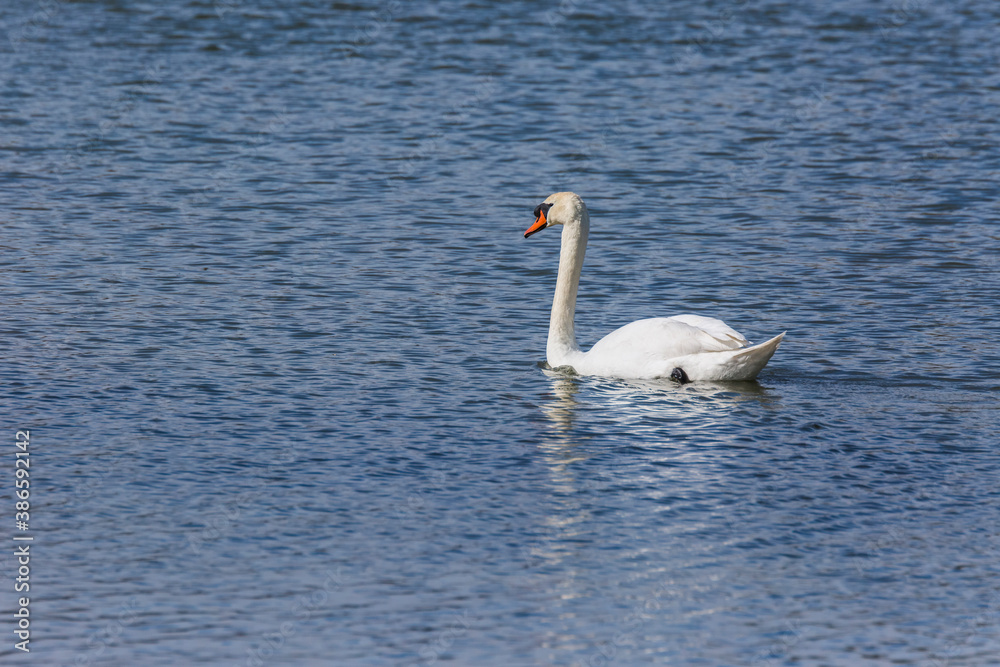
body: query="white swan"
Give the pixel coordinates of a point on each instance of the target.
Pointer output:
(683, 347)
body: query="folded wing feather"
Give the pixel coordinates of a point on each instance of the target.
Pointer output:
(717, 329)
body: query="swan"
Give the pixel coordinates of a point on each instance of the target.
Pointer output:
(684, 348)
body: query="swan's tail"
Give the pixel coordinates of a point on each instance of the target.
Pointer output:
(752, 360)
(730, 365)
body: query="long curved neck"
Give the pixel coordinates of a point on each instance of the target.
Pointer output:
(561, 348)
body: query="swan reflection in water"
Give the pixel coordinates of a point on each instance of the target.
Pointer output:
(682, 430)
(644, 407)
(658, 421)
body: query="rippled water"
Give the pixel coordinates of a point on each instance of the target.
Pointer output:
(271, 321)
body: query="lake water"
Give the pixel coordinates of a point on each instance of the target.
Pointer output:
(271, 322)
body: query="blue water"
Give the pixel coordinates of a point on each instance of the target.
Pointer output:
(272, 324)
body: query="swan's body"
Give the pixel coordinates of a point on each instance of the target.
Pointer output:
(685, 347)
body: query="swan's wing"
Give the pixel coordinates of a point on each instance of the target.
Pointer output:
(640, 348)
(717, 329)
(703, 347)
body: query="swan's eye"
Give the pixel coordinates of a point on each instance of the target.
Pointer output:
(542, 208)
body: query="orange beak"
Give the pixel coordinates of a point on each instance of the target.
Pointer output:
(538, 226)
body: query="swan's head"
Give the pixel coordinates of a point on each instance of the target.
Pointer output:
(558, 209)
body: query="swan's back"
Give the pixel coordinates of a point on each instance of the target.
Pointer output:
(640, 349)
(703, 347)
